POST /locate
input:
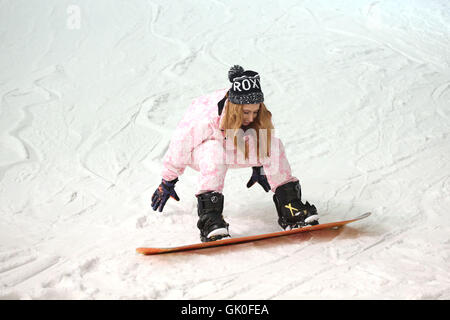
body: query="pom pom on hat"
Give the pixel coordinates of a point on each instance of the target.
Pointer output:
(234, 72)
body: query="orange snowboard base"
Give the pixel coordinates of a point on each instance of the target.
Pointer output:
(230, 241)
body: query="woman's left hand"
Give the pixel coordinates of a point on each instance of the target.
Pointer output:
(259, 176)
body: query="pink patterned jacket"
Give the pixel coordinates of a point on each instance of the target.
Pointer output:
(199, 143)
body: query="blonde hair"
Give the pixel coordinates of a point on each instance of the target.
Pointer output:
(232, 122)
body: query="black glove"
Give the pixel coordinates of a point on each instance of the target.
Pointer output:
(165, 190)
(259, 176)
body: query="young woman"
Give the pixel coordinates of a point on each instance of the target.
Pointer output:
(231, 128)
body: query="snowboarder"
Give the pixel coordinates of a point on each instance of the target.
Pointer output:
(231, 128)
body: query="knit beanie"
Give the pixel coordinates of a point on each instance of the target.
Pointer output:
(246, 86)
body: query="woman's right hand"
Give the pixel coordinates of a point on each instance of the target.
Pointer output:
(165, 190)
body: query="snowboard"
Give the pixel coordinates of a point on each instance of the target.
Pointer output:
(230, 241)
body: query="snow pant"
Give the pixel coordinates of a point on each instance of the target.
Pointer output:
(212, 160)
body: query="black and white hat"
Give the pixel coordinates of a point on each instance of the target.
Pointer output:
(246, 86)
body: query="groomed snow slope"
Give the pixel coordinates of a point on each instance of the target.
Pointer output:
(92, 90)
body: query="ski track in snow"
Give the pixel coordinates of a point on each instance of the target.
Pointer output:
(360, 97)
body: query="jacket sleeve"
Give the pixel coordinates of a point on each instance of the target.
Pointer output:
(187, 136)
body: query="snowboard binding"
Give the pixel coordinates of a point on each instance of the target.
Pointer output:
(292, 212)
(211, 222)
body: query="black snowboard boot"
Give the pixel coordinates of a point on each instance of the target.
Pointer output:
(292, 213)
(211, 223)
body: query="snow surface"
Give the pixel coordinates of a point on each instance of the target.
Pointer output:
(91, 92)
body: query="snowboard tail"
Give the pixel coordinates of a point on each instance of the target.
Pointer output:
(230, 241)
